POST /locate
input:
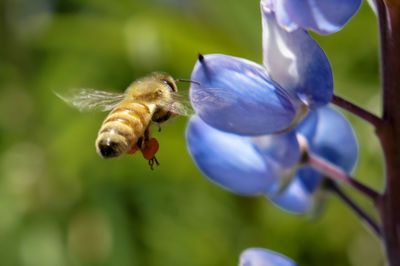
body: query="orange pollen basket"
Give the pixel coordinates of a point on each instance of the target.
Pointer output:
(150, 149)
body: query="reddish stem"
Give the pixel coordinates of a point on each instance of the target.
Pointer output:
(357, 110)
(337, 174)
(349, 202)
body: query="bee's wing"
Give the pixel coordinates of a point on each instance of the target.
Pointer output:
(180, 104)
(90, 99)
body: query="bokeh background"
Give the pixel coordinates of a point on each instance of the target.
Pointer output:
(61, 204)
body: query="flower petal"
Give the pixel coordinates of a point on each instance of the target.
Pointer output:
(322, 16)
(310, 178)
(237, 95)
(333, 138)
(308, 125)
(295, 198)
(296, 62)
(229, 160)
(282, 148)
(264, 257)
(281, 15)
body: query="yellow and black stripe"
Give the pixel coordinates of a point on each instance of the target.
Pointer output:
(123, 127)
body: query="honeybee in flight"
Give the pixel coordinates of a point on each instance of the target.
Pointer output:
(153, 98)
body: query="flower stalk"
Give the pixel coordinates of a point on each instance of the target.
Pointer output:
(357, 209)
(358, 111)
(337, 174)
(389, 134)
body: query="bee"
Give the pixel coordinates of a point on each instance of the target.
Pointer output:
(126, 129)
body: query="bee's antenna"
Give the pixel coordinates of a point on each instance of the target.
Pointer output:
(188, 80)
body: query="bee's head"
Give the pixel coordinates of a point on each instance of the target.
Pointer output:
(167, 80)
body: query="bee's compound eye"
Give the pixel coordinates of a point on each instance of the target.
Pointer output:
(108, 148)
(170, 84)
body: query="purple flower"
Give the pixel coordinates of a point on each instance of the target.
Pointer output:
(263, 257)
(322, 16)
(245, 134)
(270, 165)
(243, 97)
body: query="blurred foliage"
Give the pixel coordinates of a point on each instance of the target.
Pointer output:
(61, 204)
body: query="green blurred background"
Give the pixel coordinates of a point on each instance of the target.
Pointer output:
(61, 204)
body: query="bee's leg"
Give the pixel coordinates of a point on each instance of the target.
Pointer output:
(149, 147)
(152, 161)
(146, 135)
(141, 143)
(159, 127)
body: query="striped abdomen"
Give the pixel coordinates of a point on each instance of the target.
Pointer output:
(123, 127)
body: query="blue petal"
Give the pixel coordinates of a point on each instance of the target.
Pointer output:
(282, 16)
(236, 95)
(310, 178)
(283, 148)
(296, 62)
(322, 16)
(295, 198)
(229, 160)
(333, 138)
(308, 126)
(264, 257)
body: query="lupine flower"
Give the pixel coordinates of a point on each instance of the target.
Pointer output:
(322, 16)
(239, 104)
(270, 165)
(263, 257)
(243, 97)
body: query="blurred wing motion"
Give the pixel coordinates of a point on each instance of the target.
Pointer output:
(91, 100)
(180, 104)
